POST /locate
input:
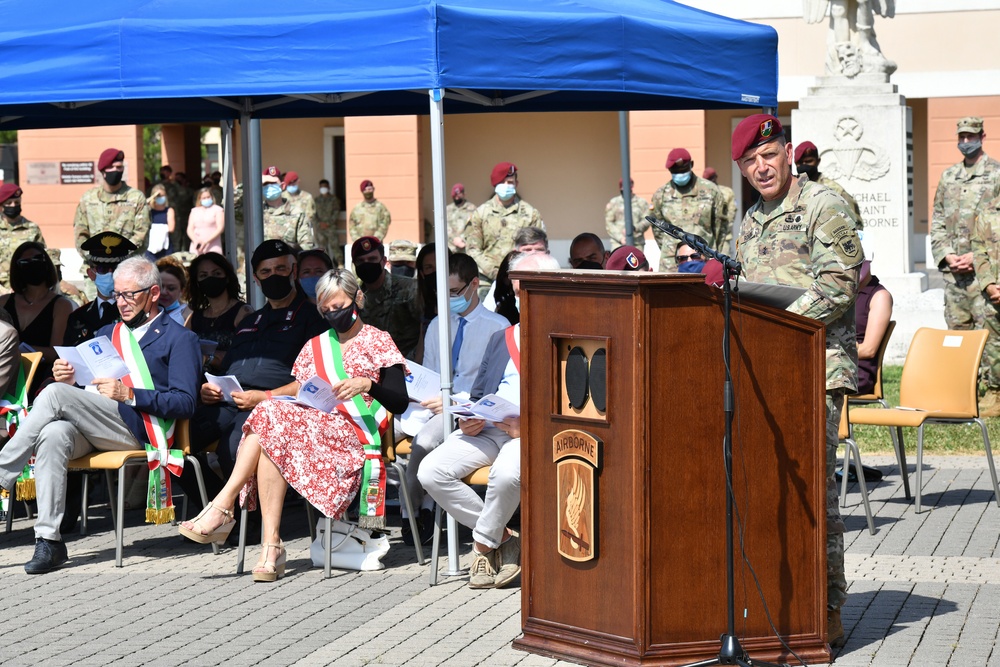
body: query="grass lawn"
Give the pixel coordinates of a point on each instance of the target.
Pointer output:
(938, 438)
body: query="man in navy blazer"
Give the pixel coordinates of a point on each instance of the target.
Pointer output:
(68, 421)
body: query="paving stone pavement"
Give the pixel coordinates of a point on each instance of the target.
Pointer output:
(924, 591)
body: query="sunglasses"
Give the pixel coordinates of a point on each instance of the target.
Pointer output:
(684, 258)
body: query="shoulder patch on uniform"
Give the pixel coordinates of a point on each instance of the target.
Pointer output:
(840, 234)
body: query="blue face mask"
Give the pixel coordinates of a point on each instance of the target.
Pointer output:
(207, 202)
(694, 266)
(505, 190)
(160, 201)
(172, 307)
(309, 285)
(272, 191)
(105, 283)
(292, 189)
(681, 179)
(459, 304)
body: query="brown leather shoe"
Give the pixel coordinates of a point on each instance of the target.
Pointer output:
(834, 628)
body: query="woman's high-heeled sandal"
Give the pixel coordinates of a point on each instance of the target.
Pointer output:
(218, 535)
(271, 570)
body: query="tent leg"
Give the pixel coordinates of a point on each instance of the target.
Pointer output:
(623, 141)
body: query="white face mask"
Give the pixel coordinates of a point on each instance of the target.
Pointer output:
(505, 190)
(324, 191)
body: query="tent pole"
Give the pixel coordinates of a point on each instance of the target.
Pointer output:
(229, 234)
(441, 257)
(253, 198)
(626, 175)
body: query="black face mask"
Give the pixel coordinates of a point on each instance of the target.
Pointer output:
(341, 319)
(369, 272)
(276, 287)
(35, 273)
(138, 319)
(587, 264)
(12, 211)
(213, 286)
(113, 178)
(811, 172)
(404, 270)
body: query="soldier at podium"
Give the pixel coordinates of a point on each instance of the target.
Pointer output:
(796, 219)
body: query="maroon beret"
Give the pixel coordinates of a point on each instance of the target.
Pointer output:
(9, 191)
(365, 245)
(805, 148)
(365, 183)
(109, 156)
(753, 131)
(627, 258)
(271, 171)
(709, 174)
(291, 177)
(501, 172)
(455, 189)
(679, 157)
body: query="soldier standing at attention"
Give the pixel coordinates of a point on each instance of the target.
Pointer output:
(112, 206)
(282, 220)
(490, 233)
(614, 216)
(986, 261)
(369, 217)
(807, 163)
(300, 200)
(728, 207)
(326, 230)
(804, 235)
(689, 202)
(15, 229)
(963, 188)
(459, 212)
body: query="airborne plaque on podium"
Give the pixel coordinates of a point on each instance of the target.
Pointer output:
(622, 471)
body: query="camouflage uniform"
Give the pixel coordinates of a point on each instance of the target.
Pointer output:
(696, 211)
(959, 194)
(288, 224)
(13, 234)
(986, 259)
(614, 219)
(812, 221)
(123, 212)
(835, 186)
(458, 220)
(326, 229)
(728, 216)
(490, 233)
(304, 203)
(369, 219)
(393, 308)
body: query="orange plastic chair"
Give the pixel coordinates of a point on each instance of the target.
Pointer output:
(939, 386)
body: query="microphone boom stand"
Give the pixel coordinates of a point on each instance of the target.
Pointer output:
(731, 652)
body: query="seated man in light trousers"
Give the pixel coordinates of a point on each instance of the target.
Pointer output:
(476, 444)
(110, 414)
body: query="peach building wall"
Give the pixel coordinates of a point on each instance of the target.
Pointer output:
(53, 206)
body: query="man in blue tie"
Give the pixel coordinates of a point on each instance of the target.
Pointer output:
(471, 327)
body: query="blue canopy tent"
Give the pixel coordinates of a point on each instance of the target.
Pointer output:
(170, 61)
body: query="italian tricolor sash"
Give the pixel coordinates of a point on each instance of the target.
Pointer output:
(13, 408)
(369, 423)
(159, 431)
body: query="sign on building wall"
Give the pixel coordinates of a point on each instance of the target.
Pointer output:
(75, 173)
(42, 173)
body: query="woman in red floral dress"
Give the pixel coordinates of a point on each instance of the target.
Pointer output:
(320, 454)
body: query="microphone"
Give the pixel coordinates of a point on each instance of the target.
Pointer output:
(732, 267)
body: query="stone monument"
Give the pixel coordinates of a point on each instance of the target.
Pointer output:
(864, 133)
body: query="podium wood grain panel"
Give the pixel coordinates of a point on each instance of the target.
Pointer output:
(656, 594)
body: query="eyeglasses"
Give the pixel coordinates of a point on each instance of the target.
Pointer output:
(129, 297)
(459, 292)
(684, 258)
(30, 260)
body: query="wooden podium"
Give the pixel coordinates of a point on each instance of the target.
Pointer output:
(623, 508)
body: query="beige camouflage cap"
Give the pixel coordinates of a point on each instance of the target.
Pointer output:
(402, 251)
(971, 124)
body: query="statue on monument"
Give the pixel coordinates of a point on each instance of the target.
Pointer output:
(851, 45)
